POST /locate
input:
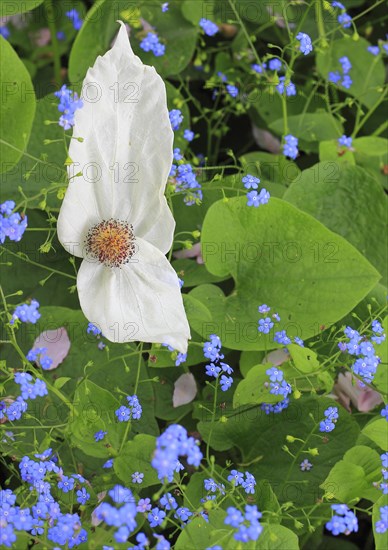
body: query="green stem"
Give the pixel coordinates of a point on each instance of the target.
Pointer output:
(50, 16)
(321, 26)
(128, 426)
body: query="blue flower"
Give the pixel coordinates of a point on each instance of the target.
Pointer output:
(188, 135)
(346, 82)
(168, 502)
(151, 44)
(264, 308)
(346, 522)
(225, 382)
(338, 5)
(135, 408)
(208, 27)
(275, 374)
(144, 505)
(233, 517)
(346, 65)
(210, 485)
(75, 18)
(108, 464)
(137, 477)
(376, 327)
(66, 484)
(305, 43)
(212, 370)
(98, 436)
(93, 329)
(334, 77)
(326, 425)
(183, 513)
(290, 147)
(345, 20)
(69, 102)
(250, 182)
(331, 413)
(298, 341)
(345, 141)
(4, 32)
(123, 414)
(374, 50)
(165, 7)
(176, 118)
(232, 90)
(181, 358)
(249, 483)
(275, 64)
(305, 465)
(237, 477)
(282, 338)
(12, 224)
(82, 496)
(156, 517)
(265, 325)
(120, 494)
(384, 412)
(290, 87)
(259, 68)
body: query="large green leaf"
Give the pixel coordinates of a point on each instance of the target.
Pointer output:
(348, 201)
(270, 252)
(367, 72)
(260, 438)
(371, 153)
(17, 107)
(136, 456)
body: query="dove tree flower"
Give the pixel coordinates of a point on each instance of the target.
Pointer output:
(114, 214)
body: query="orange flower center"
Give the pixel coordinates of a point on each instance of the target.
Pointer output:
(111, 242)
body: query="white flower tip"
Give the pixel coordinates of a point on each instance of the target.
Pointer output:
(122, 39)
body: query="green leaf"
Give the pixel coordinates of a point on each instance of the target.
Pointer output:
(42, 166)
(276, 537)
(377, 431)
(276, 172)
(310, 128)
(305, 360)
(8, 9)
(60, 382)
(329, 150)
(198, 533)
(95, 411)
(136, 457)
(351, 478)
(254, 388)
(274, 262)
(348, 201)
(372, 154)
(193, 273)
(17, 106)
(367, 72)
(380, 538)
(262, 454)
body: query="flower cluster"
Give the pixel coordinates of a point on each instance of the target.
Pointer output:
(29, 390)
(247, 525)
(38, 355)
(26, 313)
(344, 79)
(344, 18)
(255, 199)
(208, 27)
(384, 485)
(69, 102)
(151, 44)
(267, 323)
(248, 484)
(185, 179)
(328, 424)
(290, 147)
(217, 369)
(176, 118)
(12, 224)
(278, 386)
(288, 86)
(367, 362)
(305, 43)
(93, 329)
(382, 524)
(133, 410)
(345, 522)
(172, 444)
(75, 18)
(122, 518)
(63, 529)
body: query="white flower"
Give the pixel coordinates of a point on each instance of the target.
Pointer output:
(115, 214)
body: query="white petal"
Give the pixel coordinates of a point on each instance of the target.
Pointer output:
(126, 153)
(141, 301)
(185, 389)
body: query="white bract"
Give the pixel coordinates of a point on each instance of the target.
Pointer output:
(115, 215)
